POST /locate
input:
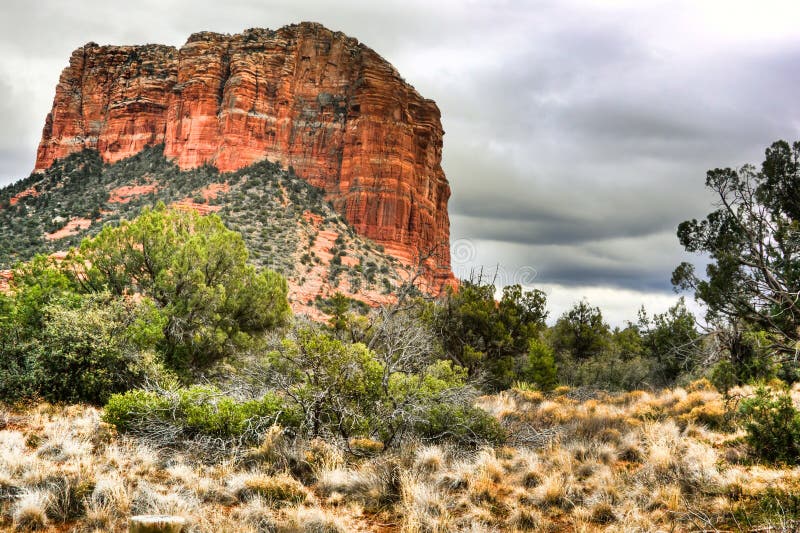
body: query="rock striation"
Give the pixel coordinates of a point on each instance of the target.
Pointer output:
(314, 100)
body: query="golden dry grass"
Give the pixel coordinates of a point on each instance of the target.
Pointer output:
(639, 461)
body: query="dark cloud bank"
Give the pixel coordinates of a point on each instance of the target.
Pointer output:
(578, 133)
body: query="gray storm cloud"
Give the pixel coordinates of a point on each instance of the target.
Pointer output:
(578, 132)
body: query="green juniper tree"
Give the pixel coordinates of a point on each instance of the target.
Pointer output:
(196, 272)
(488, 337)
(752, 239)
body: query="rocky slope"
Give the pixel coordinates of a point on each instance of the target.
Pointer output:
(313, 100)
(286, 223)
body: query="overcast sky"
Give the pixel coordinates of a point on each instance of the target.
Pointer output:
(578, 133)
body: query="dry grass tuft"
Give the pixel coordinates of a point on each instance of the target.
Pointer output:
(429, 459)
(374, 485)
(256, 513)
(526, 519)
(151, 499)
(276, 490)
(30, 510)
(365, 447)
(603, 513)
(312, 520)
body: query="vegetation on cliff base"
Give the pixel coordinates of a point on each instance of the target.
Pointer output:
(169, 288)
(195, 272)
(279, 215)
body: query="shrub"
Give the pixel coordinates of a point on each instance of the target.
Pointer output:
(463, 425)
(16, 376)
(773, 425)
(541, 365)
(328, 380)
(124, 410)
(581, 332)
(746, 359)
(75, 347)
(723, 376)
(35, 285)
(197, 411)
(208, 412)
(672, 340)
(607, 371)
(384, 393)
(82, 354)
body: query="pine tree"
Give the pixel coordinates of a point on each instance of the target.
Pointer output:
(541, 365)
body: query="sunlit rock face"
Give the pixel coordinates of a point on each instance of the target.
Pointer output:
(312, 99)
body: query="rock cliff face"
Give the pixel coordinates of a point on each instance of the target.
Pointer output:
(312, 99)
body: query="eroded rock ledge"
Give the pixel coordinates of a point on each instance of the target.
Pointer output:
(310, 98)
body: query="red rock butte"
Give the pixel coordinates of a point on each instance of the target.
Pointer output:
(304, 96)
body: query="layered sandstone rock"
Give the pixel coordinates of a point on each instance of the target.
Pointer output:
(314, 100)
